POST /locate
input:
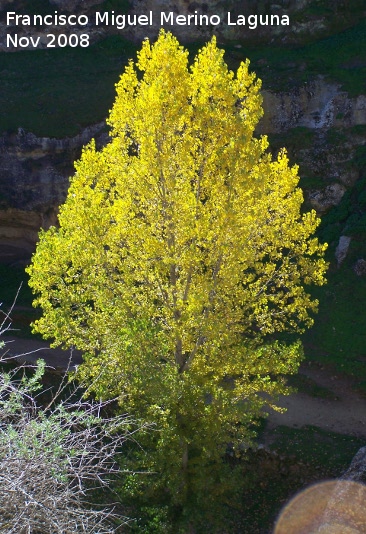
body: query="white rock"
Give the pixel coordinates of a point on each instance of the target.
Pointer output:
(342, 248)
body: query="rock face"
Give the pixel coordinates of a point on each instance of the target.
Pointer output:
(324, 199)
(328, 115)
(316, 105)
(305, 22)
(19, 232)
(34, 171)
(34, 178)
(72, 5)
(360, 267)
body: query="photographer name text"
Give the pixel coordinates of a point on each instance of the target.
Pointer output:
(76, 23)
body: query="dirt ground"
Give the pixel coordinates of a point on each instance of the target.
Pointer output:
(344, 412)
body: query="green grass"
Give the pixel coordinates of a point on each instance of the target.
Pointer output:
(339, 57)
(314, 9)
(265, 480)
(295, 139)
(359, 129)
(316, 448)
(304, 384)
(57, 92)
(338, 337)
(301, 457)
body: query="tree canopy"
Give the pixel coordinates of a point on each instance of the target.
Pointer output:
(181, 251)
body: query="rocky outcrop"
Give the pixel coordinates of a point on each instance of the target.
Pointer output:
(327, 115)
(75, 5)
(34, 170)
(34, 178)
(360, 267)
(19, 232)
(342, 249)
(316, 105)
(305, 22)
(324, 199)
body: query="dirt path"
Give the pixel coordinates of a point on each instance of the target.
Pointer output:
(344, 412)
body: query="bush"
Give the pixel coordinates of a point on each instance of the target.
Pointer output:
(54, 458)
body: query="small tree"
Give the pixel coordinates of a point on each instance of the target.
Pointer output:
(53, 458)
(181, 251)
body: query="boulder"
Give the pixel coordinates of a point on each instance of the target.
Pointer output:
(323, 200)
(342, 249)
(360, 267)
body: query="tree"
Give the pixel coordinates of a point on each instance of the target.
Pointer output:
(53, 458)
(181, 251)
(56, 452)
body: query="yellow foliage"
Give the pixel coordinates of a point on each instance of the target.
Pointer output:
(181, 247)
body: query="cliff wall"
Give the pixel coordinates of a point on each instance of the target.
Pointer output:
(308, 106)
(34, 171)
